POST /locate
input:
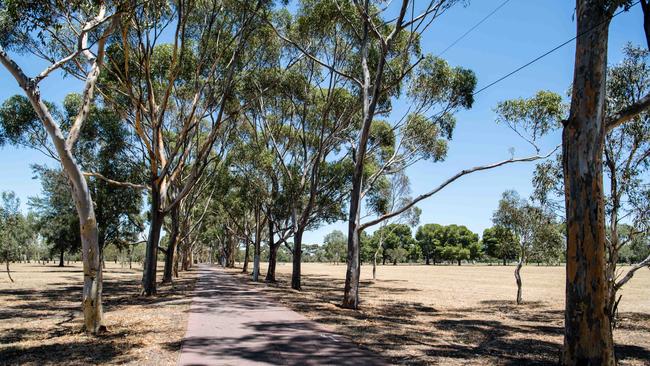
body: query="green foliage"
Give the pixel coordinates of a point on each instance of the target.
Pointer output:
(451, 243)
(19, 124)
(436, 82)
(534, 117)
(499, 242)
(538, 235)
(396, 242)
(335, 246)
(637, 249)
(58, 222)
(16, 231)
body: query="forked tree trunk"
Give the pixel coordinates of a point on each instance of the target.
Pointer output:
(170, 255)
(151, 254)
(588, 335)
(297, 259)
(518, 280)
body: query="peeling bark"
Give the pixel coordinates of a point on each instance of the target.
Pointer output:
(588, 336)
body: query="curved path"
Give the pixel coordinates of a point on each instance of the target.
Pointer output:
(232, 323)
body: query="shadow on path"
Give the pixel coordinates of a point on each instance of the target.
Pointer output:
(232, 323)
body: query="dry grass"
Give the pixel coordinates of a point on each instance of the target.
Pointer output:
(41, 319)
(466, 315)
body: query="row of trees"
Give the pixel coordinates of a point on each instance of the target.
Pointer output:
(250, 122)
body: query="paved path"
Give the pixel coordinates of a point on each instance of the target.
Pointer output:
(232, 323)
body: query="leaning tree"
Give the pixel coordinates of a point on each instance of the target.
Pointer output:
(71, 36)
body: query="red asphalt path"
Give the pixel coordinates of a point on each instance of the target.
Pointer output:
(232, 323)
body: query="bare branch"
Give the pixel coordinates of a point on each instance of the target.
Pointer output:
(451, 180)
(116, 183)
(628, 276)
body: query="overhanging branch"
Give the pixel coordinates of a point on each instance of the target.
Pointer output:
(451, 180)
(116, 183)
(628, 113)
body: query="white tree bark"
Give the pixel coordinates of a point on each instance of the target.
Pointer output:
(92, 289)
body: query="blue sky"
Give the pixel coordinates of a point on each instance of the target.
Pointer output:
(517, 33)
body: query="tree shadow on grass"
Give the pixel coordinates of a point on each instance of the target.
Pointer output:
(86, 352)
(44, 326)
(407, 332)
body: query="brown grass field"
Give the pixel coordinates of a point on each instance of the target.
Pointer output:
(41, 319)
(416, 315)
(450, 315)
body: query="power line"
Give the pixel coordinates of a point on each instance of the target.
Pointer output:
(474, 27)
(552, 50)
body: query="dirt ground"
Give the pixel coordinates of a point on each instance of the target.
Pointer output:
(450, 315)
(41, 319)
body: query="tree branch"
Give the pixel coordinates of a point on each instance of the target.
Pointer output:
(116, 183)
(628, 113)
(451, 180)
(630, 273)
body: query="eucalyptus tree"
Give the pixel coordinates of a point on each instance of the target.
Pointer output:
(71, 36)
(305, 111)
(384, 58)
(626, 157)
(524, 221)
(588, 334)
(180, 97)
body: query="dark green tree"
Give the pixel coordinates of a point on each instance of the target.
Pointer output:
(500, 242)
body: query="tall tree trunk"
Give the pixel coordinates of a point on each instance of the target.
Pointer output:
(257, 247)
(353, 271)
(518, 280)
(170, 255)
(504, 261)
(128, 251)
(246, 255)
(61, 259)
(151, 254)
(177, 259)
(374, 265)
(297, 259)
(273, 254)
(230, 259)
(587, 335)
(92, 289)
